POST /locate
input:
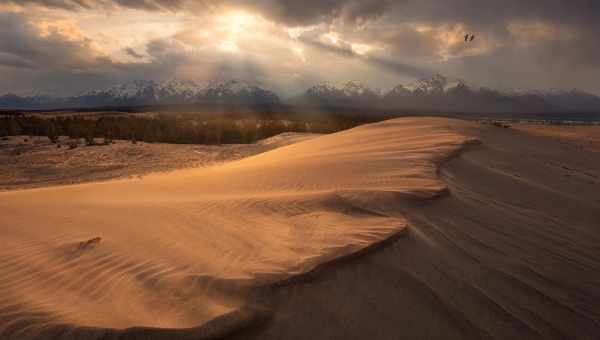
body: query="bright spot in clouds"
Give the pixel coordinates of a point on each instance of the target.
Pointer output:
(361, 49)
(237, 22)
(296, 32)
(331, 37)
(300, 52)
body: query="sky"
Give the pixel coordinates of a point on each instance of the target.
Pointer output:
(65, 47)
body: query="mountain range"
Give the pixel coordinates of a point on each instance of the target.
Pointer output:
(442, 94)
(147, 93)
(436, 94)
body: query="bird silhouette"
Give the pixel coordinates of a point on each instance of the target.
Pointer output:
(467, 37)
(472, 37)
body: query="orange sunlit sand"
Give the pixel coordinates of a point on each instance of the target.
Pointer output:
(172, 243)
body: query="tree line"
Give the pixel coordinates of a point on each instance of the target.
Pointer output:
(162, 128)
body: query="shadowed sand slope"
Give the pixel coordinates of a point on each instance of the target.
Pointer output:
(513, 252)
(179, 249)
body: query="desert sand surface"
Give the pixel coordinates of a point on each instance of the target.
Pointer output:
(580, 136)
(164, 255)
(512, 252)
(30, 162)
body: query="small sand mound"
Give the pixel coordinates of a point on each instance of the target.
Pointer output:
(89, 244)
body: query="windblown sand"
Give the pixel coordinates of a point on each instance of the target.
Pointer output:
(581, 136)
(182, 248)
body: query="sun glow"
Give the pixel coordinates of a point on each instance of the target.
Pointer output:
(234, 27)
(237, 22)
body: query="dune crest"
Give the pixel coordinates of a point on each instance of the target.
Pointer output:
(180, 249)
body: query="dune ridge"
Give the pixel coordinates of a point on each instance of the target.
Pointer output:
(178, 250)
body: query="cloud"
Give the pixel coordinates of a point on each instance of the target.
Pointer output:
(537, 43)
(61, 4)
(131, 52)
(346, 50)
(54, 63)
(22, 40)
(11, 60)
(293, 13)
(308, 12)
(150, 5)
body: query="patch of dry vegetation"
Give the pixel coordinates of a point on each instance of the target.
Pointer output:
(29, 161)
(164, 128)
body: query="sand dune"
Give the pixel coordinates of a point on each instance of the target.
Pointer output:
(511, 253)
(182, 248)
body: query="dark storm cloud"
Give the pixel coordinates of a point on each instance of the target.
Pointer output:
(555, 46)
(490, 20)
(483, 13)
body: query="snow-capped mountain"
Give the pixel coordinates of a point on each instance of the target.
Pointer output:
(128, 90)
(137, 92)
(439, 93)
(183, 89)
(435, 85)
(238, 92)
(145, 92)
(343, 89)
(345, 94)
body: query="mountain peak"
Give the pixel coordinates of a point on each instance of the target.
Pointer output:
(355, 88)
(436, 84)
(351, 88)
(233, 86)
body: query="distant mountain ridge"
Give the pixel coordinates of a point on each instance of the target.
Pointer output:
(347, 94)
(442, 94)
(145, 92)
(435, 94)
